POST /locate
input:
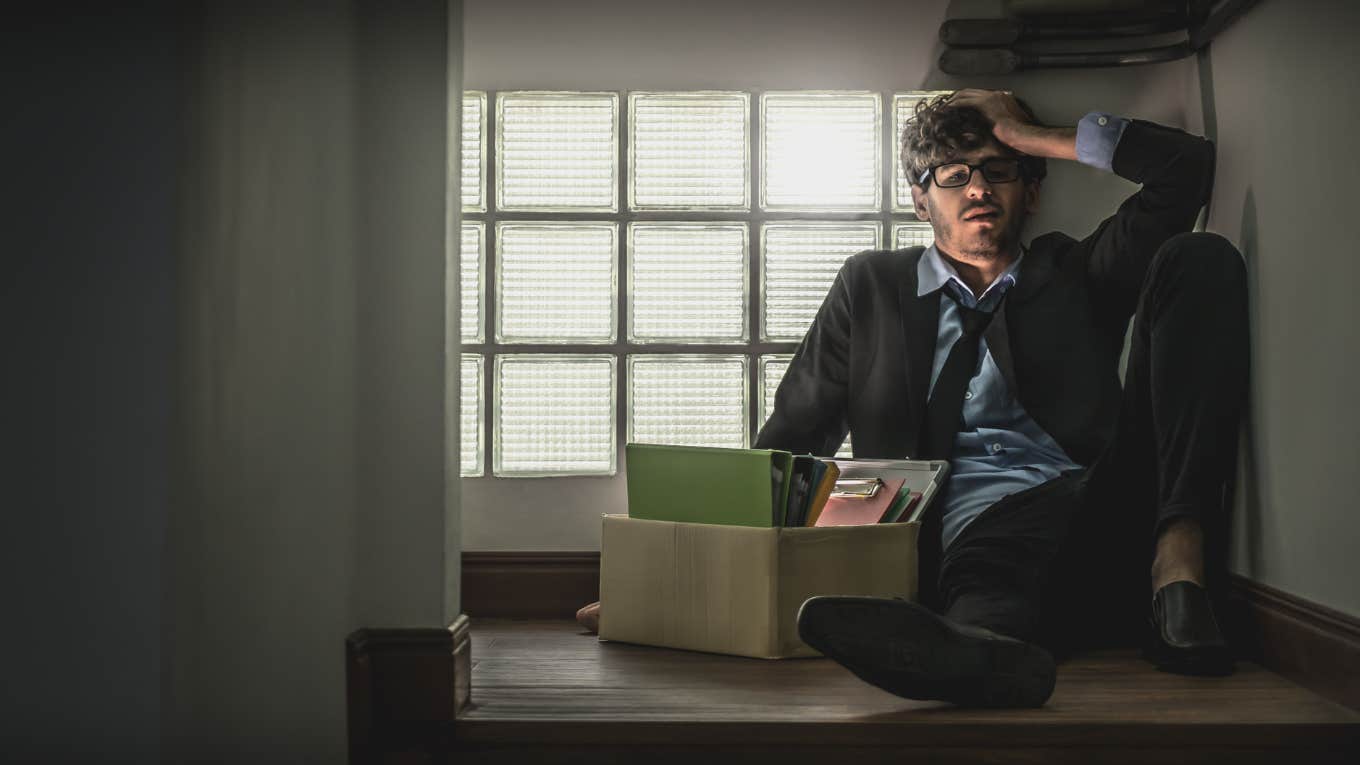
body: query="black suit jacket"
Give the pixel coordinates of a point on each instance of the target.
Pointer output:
(864, 366)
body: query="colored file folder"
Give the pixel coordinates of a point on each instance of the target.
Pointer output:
(827, 483)
(800, 488)
(859, 511)
(692, 484)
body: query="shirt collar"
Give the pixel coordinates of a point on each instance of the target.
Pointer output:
(934, 272)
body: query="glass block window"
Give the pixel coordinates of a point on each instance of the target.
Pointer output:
(557, 151)
(687, 282)
(772, 370)
(470, 414)
(472, 258)
(820, 151)
(687, 400)
(917, 234)
(800, 263)
(689, 151)
(641, 266)
(555, 282)
(554, 415)
(474, 152)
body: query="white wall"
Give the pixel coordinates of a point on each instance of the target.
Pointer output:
(760, 45)
(1283, 90)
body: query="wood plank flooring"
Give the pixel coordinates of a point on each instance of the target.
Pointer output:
(549, 691)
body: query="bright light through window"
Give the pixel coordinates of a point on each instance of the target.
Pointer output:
(821, 151)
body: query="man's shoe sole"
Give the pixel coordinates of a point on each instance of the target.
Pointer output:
(907, 650)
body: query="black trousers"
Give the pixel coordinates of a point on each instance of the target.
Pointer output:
(1067, 563)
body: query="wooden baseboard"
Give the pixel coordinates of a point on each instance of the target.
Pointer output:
(543, 585)
(405, 688)
(1315, 646)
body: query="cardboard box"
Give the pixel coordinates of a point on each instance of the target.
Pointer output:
(737, 589)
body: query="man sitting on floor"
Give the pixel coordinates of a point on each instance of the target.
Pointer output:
(1065, 491)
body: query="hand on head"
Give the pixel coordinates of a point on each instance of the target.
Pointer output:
(998, 106)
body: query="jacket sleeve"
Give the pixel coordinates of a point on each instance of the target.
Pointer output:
(1176, 171)
(811, 403)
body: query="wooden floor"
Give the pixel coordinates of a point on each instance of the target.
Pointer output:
(549, 691)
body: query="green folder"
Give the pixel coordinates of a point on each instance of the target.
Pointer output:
(698, 484)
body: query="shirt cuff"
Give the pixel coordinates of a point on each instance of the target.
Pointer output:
(1098, 134)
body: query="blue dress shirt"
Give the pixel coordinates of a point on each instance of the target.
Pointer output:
(1001, 450)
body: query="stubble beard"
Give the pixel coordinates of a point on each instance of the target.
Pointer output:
(984, 247)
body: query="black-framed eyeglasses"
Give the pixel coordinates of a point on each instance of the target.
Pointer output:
(954, 174)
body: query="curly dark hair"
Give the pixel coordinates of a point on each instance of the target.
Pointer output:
(937, 132)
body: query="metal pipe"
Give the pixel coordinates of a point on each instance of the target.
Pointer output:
(1005, 34)
(993, 32)
(992, 61)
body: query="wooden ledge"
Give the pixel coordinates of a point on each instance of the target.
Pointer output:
(405, 687)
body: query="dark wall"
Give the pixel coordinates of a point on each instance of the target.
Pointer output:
(91, 126)
(223, 296)
(309, 437)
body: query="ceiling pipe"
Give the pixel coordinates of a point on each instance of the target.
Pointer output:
(981, 47)
(1005, 31)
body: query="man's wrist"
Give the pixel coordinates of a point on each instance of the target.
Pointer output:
(1037, 140)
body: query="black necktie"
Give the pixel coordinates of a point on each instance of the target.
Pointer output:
(944, 411)
(944, 415)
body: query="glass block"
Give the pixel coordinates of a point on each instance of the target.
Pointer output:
(474, 151)
(688, 282)
(557, 151)
(904, 105)
(556, 282)
(820, 151)
(554, 415)
(687, 400)
(799, 263)
(470, 415)
(912, 234)
(772, 369)
(472, 264)
(688, 151)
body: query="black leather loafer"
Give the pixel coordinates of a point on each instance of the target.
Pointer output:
(1184, 637)
(905, 649)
